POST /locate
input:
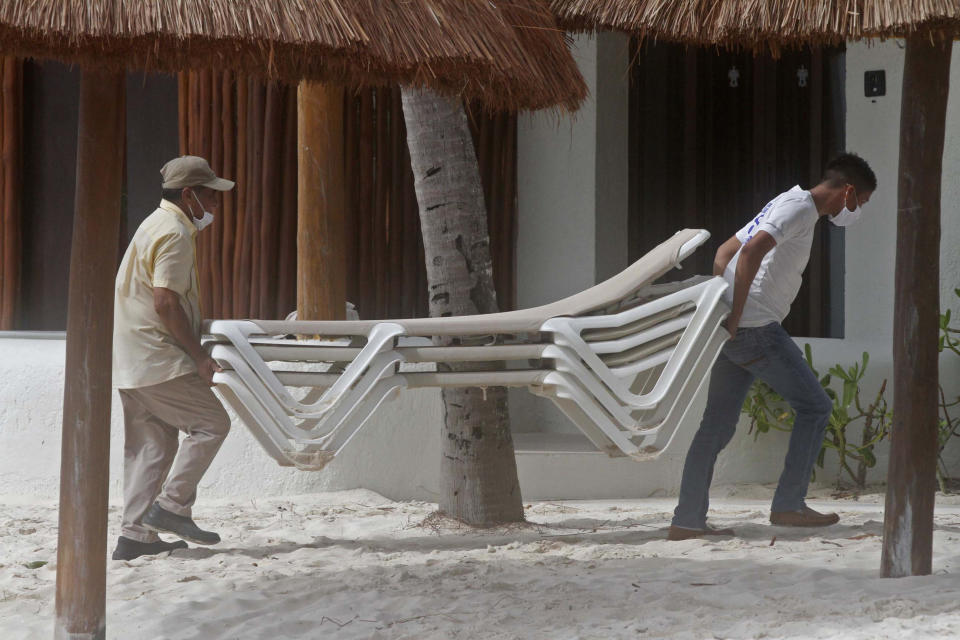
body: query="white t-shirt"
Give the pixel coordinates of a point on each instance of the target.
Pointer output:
(790, 218)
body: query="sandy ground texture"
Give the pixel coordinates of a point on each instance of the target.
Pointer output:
(356, 565)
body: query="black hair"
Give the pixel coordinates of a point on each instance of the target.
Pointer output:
(172, 195)
(849, 168)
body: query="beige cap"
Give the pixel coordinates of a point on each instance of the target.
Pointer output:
(192, 171)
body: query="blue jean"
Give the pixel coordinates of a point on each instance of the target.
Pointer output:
(770, 354)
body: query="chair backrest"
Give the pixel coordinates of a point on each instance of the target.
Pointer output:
(622, 286)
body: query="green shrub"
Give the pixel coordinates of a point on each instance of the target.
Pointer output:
(768, 411)
(949, 423)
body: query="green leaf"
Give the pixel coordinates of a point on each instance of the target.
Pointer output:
(838, 371)
(868, 458)
(866, 360)
(36, 564)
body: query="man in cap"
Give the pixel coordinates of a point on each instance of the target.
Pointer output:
(162, 373)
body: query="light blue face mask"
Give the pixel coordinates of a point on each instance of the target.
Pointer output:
(846, 217)
(207, 218)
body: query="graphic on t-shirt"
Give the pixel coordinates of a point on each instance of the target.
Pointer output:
(756, 221)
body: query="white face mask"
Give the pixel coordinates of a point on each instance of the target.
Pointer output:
(207, 218)
(846, 217)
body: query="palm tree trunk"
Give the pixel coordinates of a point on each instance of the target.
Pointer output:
(479, 471)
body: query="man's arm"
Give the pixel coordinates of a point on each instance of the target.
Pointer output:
(166, 302)
(725, 254)
(747, 266)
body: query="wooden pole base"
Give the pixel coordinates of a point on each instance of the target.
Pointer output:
(911, 478)
(85, 457)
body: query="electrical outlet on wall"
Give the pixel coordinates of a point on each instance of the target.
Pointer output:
(874, 83)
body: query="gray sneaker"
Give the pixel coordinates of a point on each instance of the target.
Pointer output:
(162, 521)
(128, 549)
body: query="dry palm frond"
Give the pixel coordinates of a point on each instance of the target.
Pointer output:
(508, 54)
(762, 23)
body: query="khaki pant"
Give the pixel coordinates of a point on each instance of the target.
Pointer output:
(153, 417)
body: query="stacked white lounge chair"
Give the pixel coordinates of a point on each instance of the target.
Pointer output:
(622, 360)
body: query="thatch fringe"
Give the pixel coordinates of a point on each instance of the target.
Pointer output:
(757, 24)
(508, 54)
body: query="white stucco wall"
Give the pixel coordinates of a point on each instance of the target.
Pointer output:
(556, 159)
(572, 197)
(397, 454)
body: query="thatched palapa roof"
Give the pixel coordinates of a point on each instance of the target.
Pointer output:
(761, 23)
(508, 53)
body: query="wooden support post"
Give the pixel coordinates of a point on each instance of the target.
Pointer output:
(85, 460)
(911, 478)
(321, 203)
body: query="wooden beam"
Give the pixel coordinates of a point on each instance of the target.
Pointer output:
(911, 478)
(321, 187)
(85, 460)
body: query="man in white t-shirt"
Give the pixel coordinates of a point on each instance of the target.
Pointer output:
(763, 263)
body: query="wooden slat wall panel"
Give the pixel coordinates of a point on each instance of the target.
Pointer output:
(11, 102)
(362, 205)
(397, 202)
(388, 278)
(708, 154)
(246, 128)
(495, 140)
(247, 259)
(287, 269)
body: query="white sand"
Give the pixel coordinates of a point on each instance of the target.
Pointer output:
(355, 565)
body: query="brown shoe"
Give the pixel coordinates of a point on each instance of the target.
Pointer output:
(680, 533)
(805, 517)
